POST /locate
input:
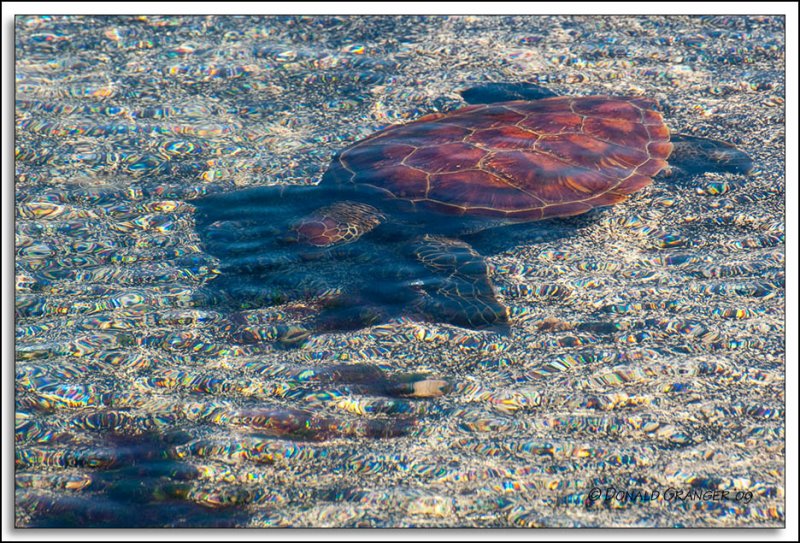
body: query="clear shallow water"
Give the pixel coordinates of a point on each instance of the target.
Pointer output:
(646, 350)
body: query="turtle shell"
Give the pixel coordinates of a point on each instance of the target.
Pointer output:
(519, 160)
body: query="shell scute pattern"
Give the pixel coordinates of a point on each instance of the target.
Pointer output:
(520, 160)
(449, 157)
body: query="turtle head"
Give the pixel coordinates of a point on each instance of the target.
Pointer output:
(336, 224)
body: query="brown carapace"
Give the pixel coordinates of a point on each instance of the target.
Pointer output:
(519, 160)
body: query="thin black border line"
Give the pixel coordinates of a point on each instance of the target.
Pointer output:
(405, 15)
(404, 529)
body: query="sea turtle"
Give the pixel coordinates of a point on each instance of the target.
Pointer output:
(517, 153)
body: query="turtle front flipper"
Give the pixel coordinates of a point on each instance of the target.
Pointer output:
(457, 290)
(695, 155)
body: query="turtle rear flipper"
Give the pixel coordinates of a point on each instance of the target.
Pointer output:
(492, 93)
(695, 155)
(459, 291)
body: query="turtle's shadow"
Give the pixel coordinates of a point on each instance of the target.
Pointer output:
(257, 271)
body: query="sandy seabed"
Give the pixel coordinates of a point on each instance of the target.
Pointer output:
(647, 348)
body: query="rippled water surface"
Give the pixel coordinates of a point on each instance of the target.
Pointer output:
(645, 350)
